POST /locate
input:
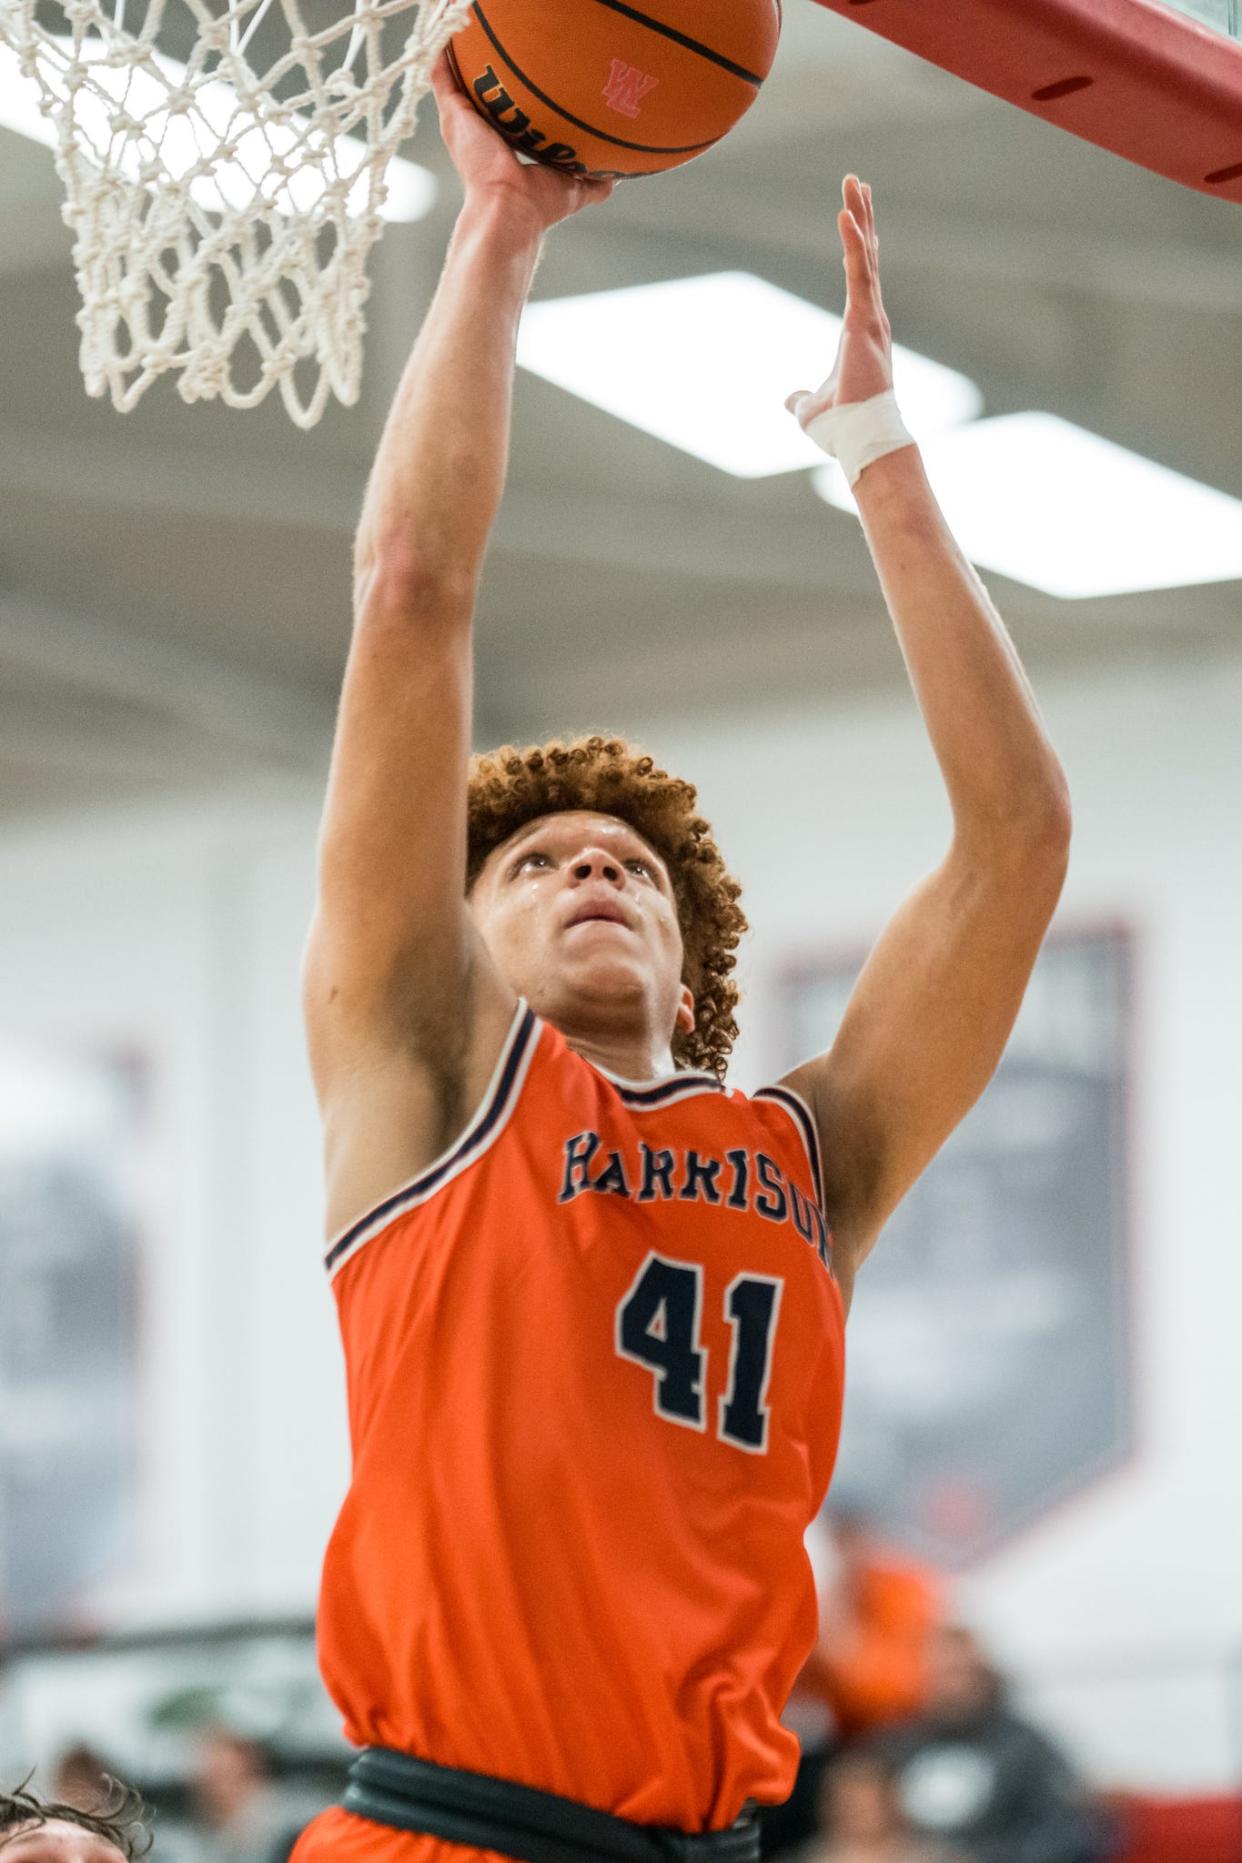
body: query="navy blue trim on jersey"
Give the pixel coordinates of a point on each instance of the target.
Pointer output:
(810, 1135)
(665, 1090)
(473, 1139)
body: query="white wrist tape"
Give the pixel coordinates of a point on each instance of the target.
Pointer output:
(861, 432)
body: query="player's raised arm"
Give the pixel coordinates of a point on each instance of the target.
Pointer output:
(392, 959)
(932, 1011)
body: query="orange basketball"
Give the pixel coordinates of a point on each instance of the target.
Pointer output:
(602, 88)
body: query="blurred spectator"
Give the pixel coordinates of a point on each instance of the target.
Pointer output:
(862, 1820)
(36, 1830)
(241, 1815)
(877, 1612)
(80, 1777)
(877, 1616)
(973, 1774)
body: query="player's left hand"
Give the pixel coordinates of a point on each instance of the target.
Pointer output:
(864, 365)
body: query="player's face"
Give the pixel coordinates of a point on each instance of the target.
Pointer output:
(56, 1842)
(579, 915)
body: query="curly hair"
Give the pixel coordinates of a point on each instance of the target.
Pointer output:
(118, 1816)
(510, 787)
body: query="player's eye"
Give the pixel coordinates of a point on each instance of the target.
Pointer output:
(644, 867)
(536, 857)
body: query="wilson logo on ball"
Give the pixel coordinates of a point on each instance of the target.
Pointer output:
(626, 88)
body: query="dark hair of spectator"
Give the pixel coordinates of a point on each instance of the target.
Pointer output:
(118, 1816)
(992, 1689)
(849, 1519)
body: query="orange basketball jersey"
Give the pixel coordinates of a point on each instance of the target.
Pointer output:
(594, 1358)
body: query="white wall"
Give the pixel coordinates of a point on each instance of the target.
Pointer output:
(184, 930)
(180, 933)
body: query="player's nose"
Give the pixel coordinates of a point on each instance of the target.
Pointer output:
(594, 864)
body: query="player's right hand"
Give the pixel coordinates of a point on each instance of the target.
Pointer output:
(489, 169)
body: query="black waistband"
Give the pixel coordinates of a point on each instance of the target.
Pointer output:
(534, 1827)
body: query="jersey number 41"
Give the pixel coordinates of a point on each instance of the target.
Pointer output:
(659, 1326)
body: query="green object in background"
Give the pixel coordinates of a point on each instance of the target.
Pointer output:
(259, 1710)
(1225, 15)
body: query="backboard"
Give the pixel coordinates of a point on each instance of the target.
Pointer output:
(1159, 84)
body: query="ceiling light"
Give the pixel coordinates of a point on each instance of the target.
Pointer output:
(706, 363)
(411, 188)
(1046, 503)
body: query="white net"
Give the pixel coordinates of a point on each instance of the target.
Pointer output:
(225, 187)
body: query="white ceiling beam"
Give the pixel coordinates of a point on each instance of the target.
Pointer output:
(708, 537)
(1174, 277)
(69, 751)
(121, 472)
(35, 236)
(785, 550)
(754, 219)
(194, 701)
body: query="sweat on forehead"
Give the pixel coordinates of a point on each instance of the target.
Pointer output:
(567, 826)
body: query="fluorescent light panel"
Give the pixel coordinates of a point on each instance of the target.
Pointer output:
(1046, 503)
(706, 363)
(411, 188)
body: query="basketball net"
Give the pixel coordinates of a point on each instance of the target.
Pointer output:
(224, 208)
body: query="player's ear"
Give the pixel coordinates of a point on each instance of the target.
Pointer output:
(685, 1011)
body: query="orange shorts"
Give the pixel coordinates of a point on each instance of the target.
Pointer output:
(338, 1836)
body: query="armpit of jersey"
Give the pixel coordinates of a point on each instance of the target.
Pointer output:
(804, 1119)
(484, 1129)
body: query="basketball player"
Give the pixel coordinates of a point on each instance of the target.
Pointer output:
(592, 1299)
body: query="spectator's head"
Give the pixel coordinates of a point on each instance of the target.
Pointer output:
(859, 1804)
(230, 1771)
(961, 1681)
(852, 1533)
(80, 1778)
(46, 1831)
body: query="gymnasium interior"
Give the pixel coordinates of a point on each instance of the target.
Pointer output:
(1044, 1371)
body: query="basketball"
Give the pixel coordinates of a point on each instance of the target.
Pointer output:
(601, 89)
